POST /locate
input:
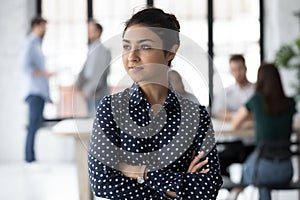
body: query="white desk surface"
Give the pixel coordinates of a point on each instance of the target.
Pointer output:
(83, 127)
(224, 131)
(74, 127)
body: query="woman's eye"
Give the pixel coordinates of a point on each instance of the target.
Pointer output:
(145, 46)
(126, 47)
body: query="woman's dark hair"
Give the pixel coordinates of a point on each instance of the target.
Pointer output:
(270, 86)
(167, 25)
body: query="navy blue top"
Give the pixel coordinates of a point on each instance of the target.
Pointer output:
(125, 130)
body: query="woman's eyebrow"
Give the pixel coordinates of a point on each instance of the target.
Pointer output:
(139, 41)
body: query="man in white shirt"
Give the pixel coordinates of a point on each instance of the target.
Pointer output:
(224, 107)
(237, 94)
(92, 80)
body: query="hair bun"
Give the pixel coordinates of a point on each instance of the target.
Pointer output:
(175, 22)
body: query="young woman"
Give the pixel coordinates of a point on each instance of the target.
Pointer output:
(273, 115)
(148, 142)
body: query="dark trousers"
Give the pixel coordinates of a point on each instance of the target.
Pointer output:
(36, 107)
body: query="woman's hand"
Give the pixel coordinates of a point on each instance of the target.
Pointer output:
(133, 171)
(171, 194)
(195, 165)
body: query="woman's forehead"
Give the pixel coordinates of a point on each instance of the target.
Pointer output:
(137, 33)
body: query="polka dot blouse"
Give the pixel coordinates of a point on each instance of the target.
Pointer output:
(125, 130)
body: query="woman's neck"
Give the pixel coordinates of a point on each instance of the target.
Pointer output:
(155, 93)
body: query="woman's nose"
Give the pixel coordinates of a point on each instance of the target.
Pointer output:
(133, 55)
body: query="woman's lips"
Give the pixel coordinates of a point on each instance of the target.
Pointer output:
(135, 68)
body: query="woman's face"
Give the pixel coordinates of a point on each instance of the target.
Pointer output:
(143, 56)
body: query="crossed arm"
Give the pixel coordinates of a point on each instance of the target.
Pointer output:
(201, 180)
(141, 171)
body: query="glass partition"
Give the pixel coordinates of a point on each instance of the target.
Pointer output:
(65, 48)
(236, 30)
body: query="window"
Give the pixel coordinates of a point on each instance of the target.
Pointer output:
(65, 47)
(236, 30)
(112, 15)
(192, 60)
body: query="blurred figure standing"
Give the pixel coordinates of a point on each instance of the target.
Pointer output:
(177, 84)
(36, 82)
(92, 80)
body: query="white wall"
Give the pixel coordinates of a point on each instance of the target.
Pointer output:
(15, 18)
(13, 24)
(281, 27)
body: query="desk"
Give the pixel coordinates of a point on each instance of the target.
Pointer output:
(80, 130)
(224, 132)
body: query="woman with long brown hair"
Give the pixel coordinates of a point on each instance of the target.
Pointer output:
(273, 116)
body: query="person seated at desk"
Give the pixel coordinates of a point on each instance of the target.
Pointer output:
(237, 94)
(224, 106)
(273, 116)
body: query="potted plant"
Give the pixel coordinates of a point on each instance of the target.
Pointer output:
(288, 56)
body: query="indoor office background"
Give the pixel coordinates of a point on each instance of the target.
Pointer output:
(255, 28)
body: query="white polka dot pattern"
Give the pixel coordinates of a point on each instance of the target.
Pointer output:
(125, 131)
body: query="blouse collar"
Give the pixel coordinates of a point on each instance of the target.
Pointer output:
(136, 97)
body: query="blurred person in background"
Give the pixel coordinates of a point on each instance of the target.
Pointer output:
(36, 82)
(235, 97)
(177, 84)
(273, 114)
(237, 94)
(92, 80)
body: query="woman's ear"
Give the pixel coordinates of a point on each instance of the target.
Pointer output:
(174, 48)
(172, 52)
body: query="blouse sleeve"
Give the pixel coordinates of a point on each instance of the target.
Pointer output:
(192, 185)
(109, 183)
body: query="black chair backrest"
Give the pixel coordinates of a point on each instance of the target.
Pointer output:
(275, 150)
